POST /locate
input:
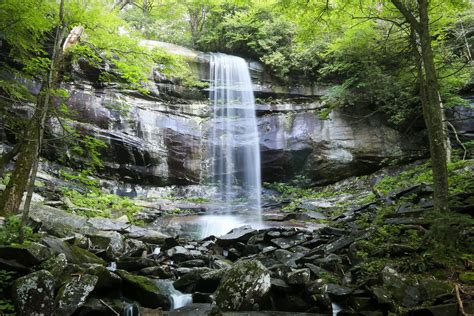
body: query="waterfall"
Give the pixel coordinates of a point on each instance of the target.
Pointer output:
(233, 140)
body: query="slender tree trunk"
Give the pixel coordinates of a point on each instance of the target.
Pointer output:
(31, 145)
(430, 100)
(434, 121)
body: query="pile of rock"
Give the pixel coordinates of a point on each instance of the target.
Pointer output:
(99, 266)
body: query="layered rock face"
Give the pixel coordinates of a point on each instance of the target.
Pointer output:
(161, 138)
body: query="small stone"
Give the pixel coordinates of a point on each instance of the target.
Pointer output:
(298, 277)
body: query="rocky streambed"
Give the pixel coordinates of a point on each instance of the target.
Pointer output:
(100, 266)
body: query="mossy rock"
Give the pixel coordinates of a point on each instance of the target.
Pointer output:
(144, 290)
(73, 253)
(28, 254)
(467, 277)
(55, 265)
(245, 287)
(34, 294)
(108, 283)
(74, 293)
(432, 288)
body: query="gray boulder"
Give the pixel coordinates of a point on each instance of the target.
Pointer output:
(73, 294)
(34, 294)
(144, 290)
(244, 287)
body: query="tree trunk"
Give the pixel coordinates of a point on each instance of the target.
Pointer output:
(430, 100)
(434, 114)
(31, 145)
(13, 193)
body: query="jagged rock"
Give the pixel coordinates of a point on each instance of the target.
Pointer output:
(134, 248)
(241, 234)
(193, 263)
(107, 282)
(220, 263)
(56, 221)
(399, 288)
(179, 253)
(187, 282)
(55, 265)
(298, 277)
(332, 262)
(209, 281)
(279, 284)
(148, 235)
(288, 242)
(157, 271)
(244, 287)
(286, 257)
(339, 244)
(319, 296)
(144, 290)
(26, 255)
(94, 306)
(109, 241)
(34, 294)
(135, 263)
(337, 292)
(195, 309)
(73, 253)
(74, 293)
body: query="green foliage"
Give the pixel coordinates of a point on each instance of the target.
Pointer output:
(460, 177)
(7, 307)
(100, 204)
(10, 231)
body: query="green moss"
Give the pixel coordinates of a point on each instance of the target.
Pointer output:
(140, 281)
(467, 277)
(102, 204)
(461, 177)
(83, 256)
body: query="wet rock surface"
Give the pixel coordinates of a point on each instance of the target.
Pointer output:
(365, 265)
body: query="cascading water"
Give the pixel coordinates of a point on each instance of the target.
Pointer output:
(233, 142)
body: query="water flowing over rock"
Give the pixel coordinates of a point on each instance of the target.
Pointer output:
(161, 138)
(233, 138)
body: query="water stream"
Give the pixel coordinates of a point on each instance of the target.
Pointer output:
(233, 148)
(177, 298)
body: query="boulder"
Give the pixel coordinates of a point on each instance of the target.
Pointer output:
(73, 294)
(244, 287)
(241, 234)
(298, 277)
(28, 254)
(144, 290)
(34, 294)
(73, 253)
(107, 282)
(56, 221)
(187, 282)
(290, 241)
(55, 265)
(110, 242)
(135, 263)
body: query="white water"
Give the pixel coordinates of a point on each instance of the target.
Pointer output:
(233, 142)
(336, 308)
(112, 266)
(177, 298)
